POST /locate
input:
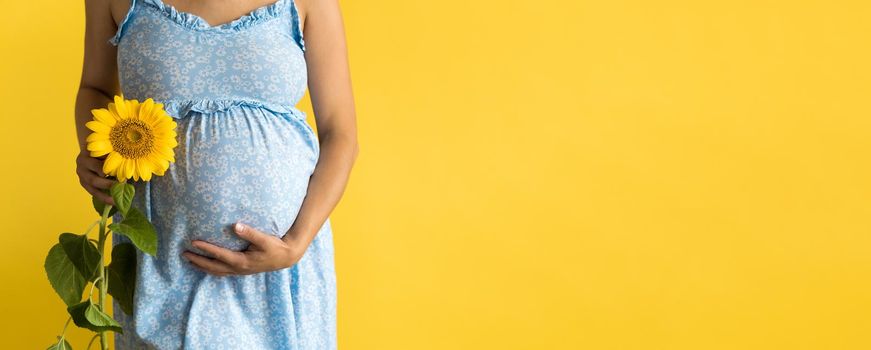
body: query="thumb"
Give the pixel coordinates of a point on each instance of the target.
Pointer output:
(250, 234)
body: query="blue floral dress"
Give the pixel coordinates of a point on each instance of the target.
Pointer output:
(245, 153)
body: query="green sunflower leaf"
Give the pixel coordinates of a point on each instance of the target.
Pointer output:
(140, 231)
(63, 275)
(122, 275)
(87, 315)
(58, 345)
(122, 193)
(83, 254)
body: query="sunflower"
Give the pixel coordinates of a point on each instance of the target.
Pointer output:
(137, 137)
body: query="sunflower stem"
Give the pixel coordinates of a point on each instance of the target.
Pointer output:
(91, 292)
(92, 341)
(63, 333)
(104, 282)
(92, 226)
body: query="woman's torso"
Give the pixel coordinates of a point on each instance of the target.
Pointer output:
(245, 151)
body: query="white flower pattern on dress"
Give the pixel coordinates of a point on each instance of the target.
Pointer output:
(245, 153)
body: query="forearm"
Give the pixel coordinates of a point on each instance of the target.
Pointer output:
(86, 100)
(327, 184)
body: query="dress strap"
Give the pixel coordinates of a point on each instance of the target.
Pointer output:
(296, 31)
(120, 33)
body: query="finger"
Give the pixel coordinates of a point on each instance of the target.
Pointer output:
(252, 235)
(101, 182)
(208, 270)
(96, 192)
(95, 165)
(230, 257)
(208, 264)
(102, 195)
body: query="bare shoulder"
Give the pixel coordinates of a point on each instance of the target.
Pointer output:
(315, 7)
(104, 10)
(118, 9)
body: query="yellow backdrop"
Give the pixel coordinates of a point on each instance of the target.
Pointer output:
(541, 175)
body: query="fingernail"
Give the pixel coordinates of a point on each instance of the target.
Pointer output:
(240, 227)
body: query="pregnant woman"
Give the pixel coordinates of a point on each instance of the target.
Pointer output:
(245, 257)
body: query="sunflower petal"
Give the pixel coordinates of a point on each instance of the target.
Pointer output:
(163, 121)
(101, 145)
(120, 107)
(133, 108)
(104, 116)
(160, 163)
(99, 153)
(144, 168)
(165, 141)
(125, 170)
(146, 110)
(165, 153)
(97, 126)
(95, 136)
(112, 163)
(130, 169)
(119, 171)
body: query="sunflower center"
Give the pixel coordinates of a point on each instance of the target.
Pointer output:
(132, 138)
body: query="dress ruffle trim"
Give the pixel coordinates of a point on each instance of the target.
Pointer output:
(178, 109)
(115, 39)
(195, 22)
(297, 25)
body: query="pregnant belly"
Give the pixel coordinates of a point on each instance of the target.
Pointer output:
(243, 164)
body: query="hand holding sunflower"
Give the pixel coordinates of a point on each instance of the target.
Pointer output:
(137, 139)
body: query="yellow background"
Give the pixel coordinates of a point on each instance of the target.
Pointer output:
(541, 174)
